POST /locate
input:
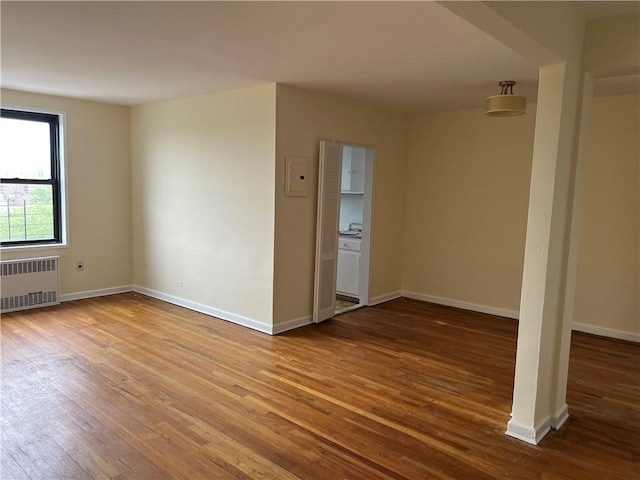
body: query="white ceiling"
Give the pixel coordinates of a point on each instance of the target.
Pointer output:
(411, 56)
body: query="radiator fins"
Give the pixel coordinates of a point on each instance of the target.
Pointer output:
(29, 300)
(29, 283)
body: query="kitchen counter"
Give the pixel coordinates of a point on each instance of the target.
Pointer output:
(350, 233)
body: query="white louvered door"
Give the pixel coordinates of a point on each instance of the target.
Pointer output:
(324, 302)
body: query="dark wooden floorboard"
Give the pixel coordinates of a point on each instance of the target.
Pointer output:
(127, 387)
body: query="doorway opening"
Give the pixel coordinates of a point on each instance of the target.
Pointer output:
(343, 234)
(351, 261)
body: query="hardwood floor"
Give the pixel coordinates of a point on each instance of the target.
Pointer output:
(127, 387)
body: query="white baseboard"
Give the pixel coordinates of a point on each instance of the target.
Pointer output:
(514, 314)
(607, 332)
(307, 320)
(384, 298)
(560, 417)
(207, 310)
(532, 435)
(500, 312)
(291, 324)
(68, 297)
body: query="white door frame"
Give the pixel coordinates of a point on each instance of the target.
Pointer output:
(367, 222)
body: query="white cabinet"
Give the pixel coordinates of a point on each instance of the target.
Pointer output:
(353, 160)
(348, 281)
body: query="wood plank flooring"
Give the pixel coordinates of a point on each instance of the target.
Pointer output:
(127, 387)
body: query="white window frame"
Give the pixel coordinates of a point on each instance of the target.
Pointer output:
(62, 176)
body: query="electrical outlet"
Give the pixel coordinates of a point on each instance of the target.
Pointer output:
(179, 283)
(80, 266)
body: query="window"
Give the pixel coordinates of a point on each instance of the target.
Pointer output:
(30, 189)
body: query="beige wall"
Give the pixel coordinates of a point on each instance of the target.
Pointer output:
(465, 177)
(203, 200)
(467, 195)
(303, 119)
(612, 45)
(98, 190)
(607, 290)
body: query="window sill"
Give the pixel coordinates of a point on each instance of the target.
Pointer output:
(27, 248)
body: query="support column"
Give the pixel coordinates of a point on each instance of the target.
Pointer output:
(559, 408)
(544, 329)
(551, 34)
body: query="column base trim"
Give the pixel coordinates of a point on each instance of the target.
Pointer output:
(560, 417)
(531, 435)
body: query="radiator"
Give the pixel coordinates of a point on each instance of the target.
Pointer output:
(29, 283)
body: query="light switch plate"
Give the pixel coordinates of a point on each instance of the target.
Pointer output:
(297, 176)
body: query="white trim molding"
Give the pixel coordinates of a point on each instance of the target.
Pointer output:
(384, 298)
(531, 435)
(102, 292)
(513, 314)
(606, 332)
(291, 324)
(307, 320)
(560, 417)
(207, 310)
(500, 312)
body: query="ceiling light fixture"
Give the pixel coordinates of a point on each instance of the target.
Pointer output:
(506, 104)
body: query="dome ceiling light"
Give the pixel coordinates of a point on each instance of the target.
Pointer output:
(506, 104)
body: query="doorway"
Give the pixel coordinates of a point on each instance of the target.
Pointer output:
(343, 236)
